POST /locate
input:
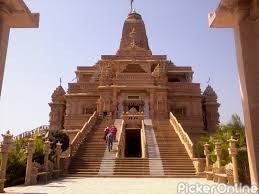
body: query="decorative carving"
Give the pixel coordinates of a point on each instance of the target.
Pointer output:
(133, 119)
(107, 75)
(159, 74)
(132, 35)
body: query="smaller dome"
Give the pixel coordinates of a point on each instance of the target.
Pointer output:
(209, 92)
(58, 94)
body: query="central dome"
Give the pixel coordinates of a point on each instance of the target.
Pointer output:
(134, 38)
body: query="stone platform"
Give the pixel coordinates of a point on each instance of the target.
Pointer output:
(108, 186)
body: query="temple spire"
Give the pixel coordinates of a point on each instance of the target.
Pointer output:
(134, 39)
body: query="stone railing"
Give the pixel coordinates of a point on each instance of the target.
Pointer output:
(36, 172)
(79, 138)
(184, 137)
(129, 78)
(134, 76)
(39, 130)
(121, 141)
(184, 87)
(82, 87)
(143, 141)
(198, 163)
(222, 174)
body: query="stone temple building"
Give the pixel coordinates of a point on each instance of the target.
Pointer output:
(134, 81)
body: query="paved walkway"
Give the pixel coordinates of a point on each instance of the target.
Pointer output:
(108, 186)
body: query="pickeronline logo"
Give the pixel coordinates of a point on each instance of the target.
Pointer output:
(198, 188)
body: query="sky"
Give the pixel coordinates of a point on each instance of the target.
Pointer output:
(76, 33)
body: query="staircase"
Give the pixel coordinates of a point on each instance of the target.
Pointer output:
(132, 167)
(89, 156)
(92, 159)
(175, 159)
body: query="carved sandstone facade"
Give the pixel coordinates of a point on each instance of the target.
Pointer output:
(135, 78)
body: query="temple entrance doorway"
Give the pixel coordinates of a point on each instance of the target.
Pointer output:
(133, 102)
(133, 143)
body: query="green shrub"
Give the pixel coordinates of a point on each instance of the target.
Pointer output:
(59, 136)
(234, 128)
(17, 159)
(16, 165)
(38, 156)
(198, 150)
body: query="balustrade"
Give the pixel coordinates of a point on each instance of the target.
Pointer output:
(82, 134)
(223, 174)
(82, 87)
(121, 141)
(184, 137)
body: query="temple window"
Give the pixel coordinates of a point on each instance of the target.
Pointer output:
(133, 97)
(181, 111)
(172, 79)
(86, 111)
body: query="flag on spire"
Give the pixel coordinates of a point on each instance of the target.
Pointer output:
(131, 5)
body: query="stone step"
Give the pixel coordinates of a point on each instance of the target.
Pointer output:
(189, 175)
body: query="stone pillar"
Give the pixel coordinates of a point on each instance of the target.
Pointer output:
(46, 150)
(151, 104)
(115, 102)
(218, 152)
(4, 37)
(243, 16)
(58, 153)
(206, 153)
(233, 153)
(5, 147)
(29, 151)
(248, 64)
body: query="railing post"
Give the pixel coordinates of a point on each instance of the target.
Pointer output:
(206, 153)
(58, 153)
(218, 152)
(233, 153)
(46, 150)
(5, 148)
(29, 151)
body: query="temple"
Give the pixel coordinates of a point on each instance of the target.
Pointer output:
(135, 82)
